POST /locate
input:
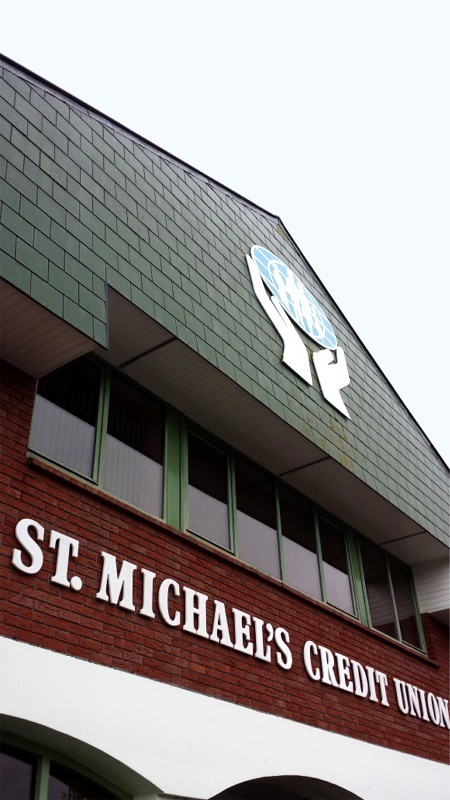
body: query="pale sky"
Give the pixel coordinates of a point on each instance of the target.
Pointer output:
(332, 114)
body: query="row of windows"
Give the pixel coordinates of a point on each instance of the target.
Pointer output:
(93, 422)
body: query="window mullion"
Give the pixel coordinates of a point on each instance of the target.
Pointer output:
(102, 423)
(366, 617)
(175, 471)
(394, 603)
(279, 532)
(412, 584)
(232, 504)
(357, 578)
(42, 778)
(319, 555)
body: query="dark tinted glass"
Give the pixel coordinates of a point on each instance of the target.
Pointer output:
(134, 447)
(135, 419)
(301, 568)
(378, 592)
(74, 387)
(64, 784)
(335, 566)
(405, 605)
(65, 415)
(208, 509)
(17, 774)
(256, 518)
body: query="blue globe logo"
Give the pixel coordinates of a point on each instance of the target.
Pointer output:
(295, 298)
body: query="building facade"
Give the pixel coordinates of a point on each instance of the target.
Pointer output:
(224, 540)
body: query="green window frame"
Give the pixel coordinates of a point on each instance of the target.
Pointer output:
(334, 552)
(114, 439)
(356, 603)
(349, 540)
(48, 765)
(208, 499)
(377, 601)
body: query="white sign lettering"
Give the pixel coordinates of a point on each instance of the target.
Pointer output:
(196, 613)
(337, 670)
(182, 606)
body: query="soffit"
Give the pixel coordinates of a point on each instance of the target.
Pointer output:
(32, 338)
(151, 356)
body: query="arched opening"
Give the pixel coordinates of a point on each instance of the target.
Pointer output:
(286, 787)
(29, 749)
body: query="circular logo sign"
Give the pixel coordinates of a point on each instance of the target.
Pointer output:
(295, 298)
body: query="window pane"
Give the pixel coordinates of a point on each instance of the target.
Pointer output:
(133, 458)
(256, 518)
(405, 604)
(208, 509)
(378, 592)
(335, 567)
(17, 772)
(65, 415)
(64, 784)
(301, 568)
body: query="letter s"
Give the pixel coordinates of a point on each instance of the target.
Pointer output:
(29, 545)
(284, 658)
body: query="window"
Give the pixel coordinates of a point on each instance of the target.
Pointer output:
(276, 530)
(25, 776)
(257, 537)
(381, 606)
(286, 536)
(404, 601)
(337, 586)
(64, 783)
(390, 595)
(103, 428)
(65, 415)
(300, 562)
(17, 774)
(92, 421)
(134, 447)
(208, 492)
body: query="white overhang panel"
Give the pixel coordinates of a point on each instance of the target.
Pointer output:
(32, 338)
(432, 581)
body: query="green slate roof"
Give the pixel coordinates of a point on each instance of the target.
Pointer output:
(87, 204)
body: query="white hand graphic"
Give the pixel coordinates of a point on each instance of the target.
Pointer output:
(295, 354)
(333, 376)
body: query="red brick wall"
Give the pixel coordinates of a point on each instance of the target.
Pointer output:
(41, 613)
